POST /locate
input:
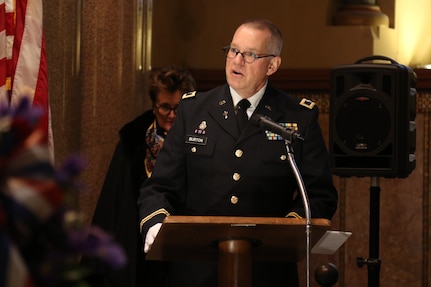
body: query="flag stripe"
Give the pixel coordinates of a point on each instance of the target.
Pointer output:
(3, 67)
(26, 49)
(26, 64)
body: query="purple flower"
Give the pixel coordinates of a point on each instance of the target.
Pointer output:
(71, 168)
(94, 242)
(34, 209)
(16, 124)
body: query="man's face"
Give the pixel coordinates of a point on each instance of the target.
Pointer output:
(164, 108)
(248, 78)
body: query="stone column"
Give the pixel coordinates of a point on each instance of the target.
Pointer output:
(96, 81)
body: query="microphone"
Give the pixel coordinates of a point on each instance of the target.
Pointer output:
(269, 125)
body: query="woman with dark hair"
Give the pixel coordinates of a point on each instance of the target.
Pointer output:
(132, 163)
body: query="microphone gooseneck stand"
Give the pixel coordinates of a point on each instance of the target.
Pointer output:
(289, 135)
(305, 202)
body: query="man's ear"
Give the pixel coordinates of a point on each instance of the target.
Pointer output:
(274, 65)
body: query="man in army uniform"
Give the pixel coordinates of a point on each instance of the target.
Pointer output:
(210, 165)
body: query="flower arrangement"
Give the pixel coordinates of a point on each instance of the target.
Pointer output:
(41, 236)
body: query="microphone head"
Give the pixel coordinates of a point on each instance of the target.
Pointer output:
(256, 119)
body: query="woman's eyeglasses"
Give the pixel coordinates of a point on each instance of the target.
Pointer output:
(166, 109)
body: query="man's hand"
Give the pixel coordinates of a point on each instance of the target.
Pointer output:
(151, 235)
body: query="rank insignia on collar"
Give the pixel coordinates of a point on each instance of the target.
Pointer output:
(201, 129)
(275, 137)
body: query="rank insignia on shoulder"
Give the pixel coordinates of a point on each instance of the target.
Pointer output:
(307, 103)
(189, 95)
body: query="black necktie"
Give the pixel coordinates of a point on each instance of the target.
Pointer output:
(241, 113)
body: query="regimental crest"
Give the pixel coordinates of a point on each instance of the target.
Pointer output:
(201, 129)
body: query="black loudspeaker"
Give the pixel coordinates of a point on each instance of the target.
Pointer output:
(372, 118)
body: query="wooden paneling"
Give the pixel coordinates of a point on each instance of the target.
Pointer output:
(294, 80)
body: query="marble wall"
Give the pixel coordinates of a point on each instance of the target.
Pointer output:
(94, 84)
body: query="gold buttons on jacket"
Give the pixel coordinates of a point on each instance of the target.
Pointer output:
(234, 199)
(236, 176)
(283, 157)
(239, 153)
(193, 149)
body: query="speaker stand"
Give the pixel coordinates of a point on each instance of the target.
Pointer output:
(373, 262)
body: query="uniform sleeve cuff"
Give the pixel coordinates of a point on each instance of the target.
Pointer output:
(293, 215)
(157, 215)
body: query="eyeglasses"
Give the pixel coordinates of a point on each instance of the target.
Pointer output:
(249, 57)
(166, 109)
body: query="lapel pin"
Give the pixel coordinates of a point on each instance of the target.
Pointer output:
(225, 114)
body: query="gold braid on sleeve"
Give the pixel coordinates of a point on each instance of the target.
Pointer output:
(148, 217)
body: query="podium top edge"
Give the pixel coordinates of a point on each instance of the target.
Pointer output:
(239, 220)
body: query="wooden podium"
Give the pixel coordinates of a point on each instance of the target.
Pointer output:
(235, 242)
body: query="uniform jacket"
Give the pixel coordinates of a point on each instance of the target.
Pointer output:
(206, 167)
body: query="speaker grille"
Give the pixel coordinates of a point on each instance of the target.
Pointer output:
(363, 123)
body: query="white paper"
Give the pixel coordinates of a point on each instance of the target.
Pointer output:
(330, 242)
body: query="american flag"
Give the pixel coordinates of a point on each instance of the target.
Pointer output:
(23, 73)
(23, 63)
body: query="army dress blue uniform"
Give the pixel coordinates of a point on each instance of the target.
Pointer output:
(207, 167)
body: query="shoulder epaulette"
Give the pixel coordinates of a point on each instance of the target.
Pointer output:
(189, 95)
(307, 103)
